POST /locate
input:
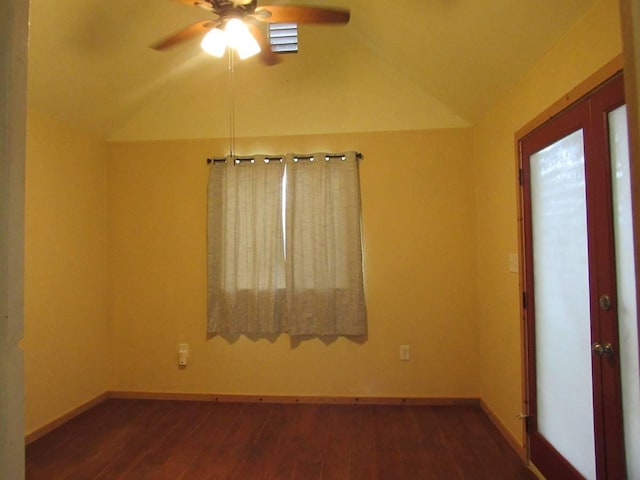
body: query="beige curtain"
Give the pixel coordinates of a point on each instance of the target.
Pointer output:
(245, 246)
(323, 246)
(285, 250)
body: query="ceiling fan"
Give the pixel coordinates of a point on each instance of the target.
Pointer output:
(234, 24)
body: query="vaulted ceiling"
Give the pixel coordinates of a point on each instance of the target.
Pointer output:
(401, 64)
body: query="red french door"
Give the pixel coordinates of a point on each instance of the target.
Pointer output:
(575, 394)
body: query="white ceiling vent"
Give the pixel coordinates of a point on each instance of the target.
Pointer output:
(283, 37)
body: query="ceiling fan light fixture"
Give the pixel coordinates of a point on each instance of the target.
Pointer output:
(249, 48)
(247, 38)
(214, 42)
(239, 38)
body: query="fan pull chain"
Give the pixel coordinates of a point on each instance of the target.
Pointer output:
(232, 107)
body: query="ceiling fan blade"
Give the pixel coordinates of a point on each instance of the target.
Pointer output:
(184, 34)
(301, 14)
(266, 54)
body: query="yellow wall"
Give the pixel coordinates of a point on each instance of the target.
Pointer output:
(65, 320)
(589, 45)
(417, 190)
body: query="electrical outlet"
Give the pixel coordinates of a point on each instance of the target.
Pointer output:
(405, 353)
(183, 354)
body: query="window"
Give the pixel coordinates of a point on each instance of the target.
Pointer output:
(285, 246)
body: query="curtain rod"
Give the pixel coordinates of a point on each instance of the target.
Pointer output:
(239, 158)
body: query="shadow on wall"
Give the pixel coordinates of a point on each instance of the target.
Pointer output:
(294, 340)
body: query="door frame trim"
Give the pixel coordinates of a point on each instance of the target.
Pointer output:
(596, 79)
(14, 30)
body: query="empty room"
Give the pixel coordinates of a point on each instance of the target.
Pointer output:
(378, 240)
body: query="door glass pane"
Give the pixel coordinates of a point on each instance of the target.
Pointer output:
(627, 323)
(563, 332)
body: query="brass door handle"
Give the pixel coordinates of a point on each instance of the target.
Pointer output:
(600, 350)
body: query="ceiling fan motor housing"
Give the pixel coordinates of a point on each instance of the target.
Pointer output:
(224, 5)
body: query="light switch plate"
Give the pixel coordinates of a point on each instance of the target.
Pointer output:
(405, 353)
(514, 265)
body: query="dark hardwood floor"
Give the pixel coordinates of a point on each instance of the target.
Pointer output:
(142, 439)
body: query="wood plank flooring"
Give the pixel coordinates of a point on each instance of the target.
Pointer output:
(144, 439)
